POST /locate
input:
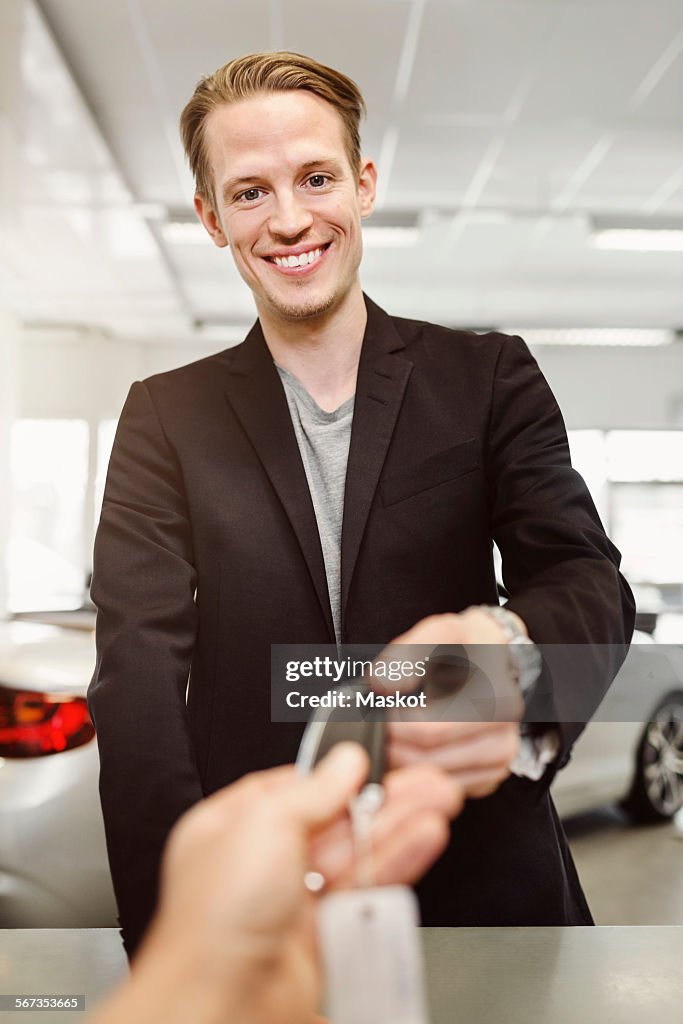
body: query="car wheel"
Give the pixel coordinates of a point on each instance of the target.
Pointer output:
(657, 789)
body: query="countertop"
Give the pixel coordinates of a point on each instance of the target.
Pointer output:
(488, 975)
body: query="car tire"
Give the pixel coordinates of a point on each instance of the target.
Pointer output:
(657, 789)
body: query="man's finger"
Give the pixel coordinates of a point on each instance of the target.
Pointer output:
(403, 857)
(423, 786)
(434, 734)
(484, 753)
(410, 793)
(406, 857)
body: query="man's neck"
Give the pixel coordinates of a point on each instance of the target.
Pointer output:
(323, 352)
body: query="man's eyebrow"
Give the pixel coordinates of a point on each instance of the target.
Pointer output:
(232, 183)
(319, 161)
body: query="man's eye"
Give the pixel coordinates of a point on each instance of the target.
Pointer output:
(251, 194)
(317, 180)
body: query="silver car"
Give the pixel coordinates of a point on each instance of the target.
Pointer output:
(53, 863)
(637, 765)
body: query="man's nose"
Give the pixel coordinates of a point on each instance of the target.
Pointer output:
(290, 216)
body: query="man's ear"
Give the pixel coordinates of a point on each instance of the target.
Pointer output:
(209, 219)
(367, 186)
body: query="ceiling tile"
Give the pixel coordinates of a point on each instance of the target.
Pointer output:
(472, 56)
(430, 160)
(596, 58)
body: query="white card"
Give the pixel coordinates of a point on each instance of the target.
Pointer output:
(372, 957)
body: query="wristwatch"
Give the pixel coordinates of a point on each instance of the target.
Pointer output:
(525, 657)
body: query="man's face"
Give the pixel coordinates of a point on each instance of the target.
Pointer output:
(287, 201)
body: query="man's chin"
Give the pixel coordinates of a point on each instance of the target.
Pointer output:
(305, 308)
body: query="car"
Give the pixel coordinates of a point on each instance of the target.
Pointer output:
(53, 862)
(636, 763)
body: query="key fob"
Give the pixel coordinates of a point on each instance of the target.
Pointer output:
(328, 726)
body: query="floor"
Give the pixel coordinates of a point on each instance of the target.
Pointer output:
(631, 874)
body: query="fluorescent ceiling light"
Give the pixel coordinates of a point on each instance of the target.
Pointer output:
(613, 336)
(639, 239)
(392, 229)
(637, 234)
(185, 232)
(384, 236)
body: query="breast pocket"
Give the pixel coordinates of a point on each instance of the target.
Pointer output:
(437, 469)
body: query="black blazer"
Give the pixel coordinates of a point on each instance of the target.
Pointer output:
(207, 552)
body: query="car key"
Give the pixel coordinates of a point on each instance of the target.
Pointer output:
(328, 726)
(363, 809)
(369, 937)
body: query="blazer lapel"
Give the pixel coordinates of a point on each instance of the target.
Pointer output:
(258, 400)
(383, 374)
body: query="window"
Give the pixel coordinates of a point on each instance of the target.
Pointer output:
(587, 449)
(644, 455)
(647, 527)
(636, 479)
(46, 555)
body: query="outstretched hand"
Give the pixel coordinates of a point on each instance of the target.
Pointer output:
(234, 937)
(476, 753)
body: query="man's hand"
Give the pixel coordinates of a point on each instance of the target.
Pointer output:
(234, 936)
(475, 753)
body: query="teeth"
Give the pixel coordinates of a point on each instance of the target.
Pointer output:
(302, 260)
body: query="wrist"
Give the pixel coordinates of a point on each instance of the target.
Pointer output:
(175, 979)
(519, 623)
(524, 656)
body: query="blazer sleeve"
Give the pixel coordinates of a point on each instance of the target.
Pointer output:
(143, 586)
(559, 567)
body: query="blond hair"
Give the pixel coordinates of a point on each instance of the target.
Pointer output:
(256, 73)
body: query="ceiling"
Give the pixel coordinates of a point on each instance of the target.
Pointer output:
(505, 126)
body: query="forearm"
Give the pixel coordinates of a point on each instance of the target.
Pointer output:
(559, 567)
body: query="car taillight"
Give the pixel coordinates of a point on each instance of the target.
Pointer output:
(33, 724)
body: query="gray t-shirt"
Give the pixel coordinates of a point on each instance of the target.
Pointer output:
(323, 439)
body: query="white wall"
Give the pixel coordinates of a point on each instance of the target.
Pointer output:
(626, 388)
(85, 374)
(75, 373)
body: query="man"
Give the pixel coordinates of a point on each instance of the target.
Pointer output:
(222, 533)
(233, 938)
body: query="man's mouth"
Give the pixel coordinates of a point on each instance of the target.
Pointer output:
(302, 259)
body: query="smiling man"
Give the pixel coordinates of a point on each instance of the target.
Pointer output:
(283, 183)
(341, 476)
(290, 179)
